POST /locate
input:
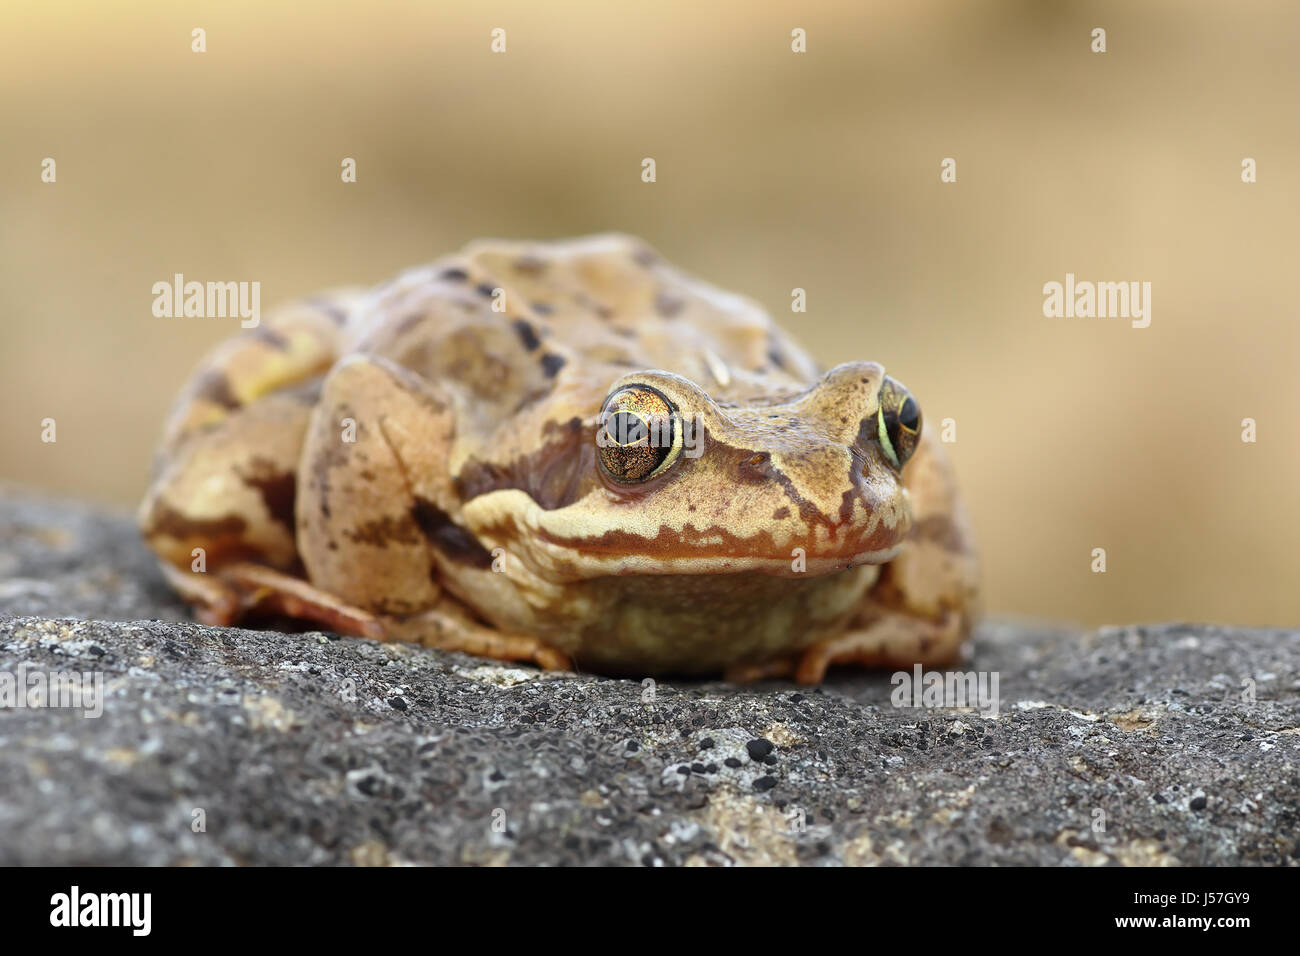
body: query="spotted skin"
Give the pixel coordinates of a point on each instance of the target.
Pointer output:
(421, 460)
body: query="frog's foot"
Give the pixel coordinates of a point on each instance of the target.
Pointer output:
(768, 670)
(236, 591)
(449, 628)
(892, 641)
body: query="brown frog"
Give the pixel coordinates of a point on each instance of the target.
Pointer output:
(565, 452)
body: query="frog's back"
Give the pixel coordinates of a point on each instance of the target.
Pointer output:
(504, 323)
(510, 321)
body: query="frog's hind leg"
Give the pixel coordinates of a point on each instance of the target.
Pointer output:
(225, 478)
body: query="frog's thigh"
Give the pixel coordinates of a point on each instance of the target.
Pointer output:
(228, 489)
(922, 608)
(450, 627)
(374, 458)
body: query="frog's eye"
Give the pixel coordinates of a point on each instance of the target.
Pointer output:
(638, 435)
(898, 422)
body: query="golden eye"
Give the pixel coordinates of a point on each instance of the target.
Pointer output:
(638, 435)
(898, 422)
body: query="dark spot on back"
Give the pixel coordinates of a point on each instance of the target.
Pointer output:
(271, 337)
(409, 322)
(308, 392)
(527, 334)
(447, 536)
(552, 363)
(780, 514)
(669, 305)
(453, 274)
(775, 358)
(331, 309)
(486, 289)
(587, 302)
(214, 387)
(530, 265)
(541, 308)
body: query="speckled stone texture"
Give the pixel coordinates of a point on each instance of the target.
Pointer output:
(1161, 744)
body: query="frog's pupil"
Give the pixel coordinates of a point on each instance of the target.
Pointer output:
(624, 428)
(909, 416)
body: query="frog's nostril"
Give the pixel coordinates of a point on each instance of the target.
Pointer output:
(755, 467)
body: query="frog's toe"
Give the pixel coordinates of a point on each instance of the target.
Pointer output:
(448, 627)
(237, 591)
(768, 670)
(263, 590)
(212, 601)
(503, 647)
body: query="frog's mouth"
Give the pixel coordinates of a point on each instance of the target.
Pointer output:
(574, 544)
(597, 562)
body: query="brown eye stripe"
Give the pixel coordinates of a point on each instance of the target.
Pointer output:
(556, 475)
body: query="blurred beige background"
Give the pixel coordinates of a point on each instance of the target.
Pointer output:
(775, 170)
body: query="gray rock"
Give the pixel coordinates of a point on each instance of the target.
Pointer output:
(1162, 744)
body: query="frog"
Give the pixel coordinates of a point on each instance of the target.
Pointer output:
(570, 454)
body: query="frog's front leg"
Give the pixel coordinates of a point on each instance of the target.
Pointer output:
(450, 627)
(376, 506)
(921, 609)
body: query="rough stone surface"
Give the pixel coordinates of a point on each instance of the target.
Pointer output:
(307, 748)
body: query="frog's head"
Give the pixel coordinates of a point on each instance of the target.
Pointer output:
(664, 479)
